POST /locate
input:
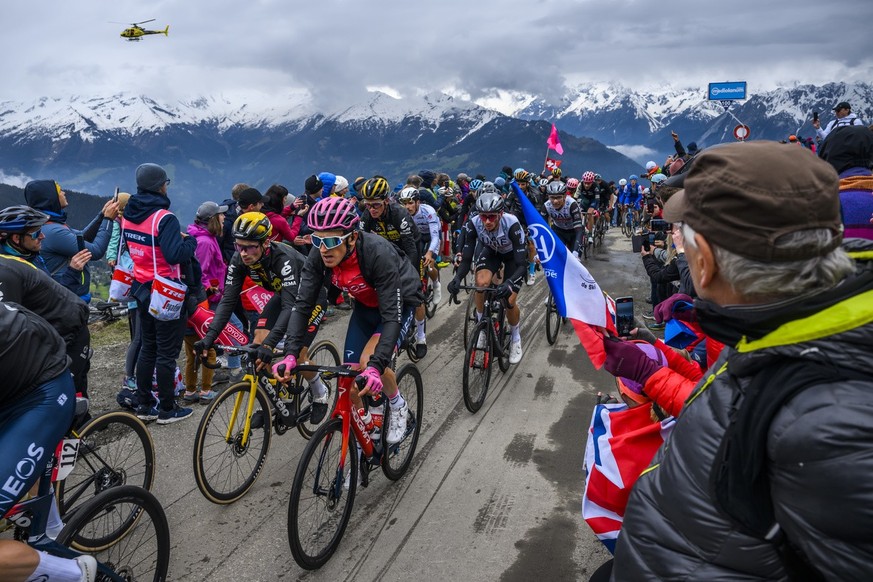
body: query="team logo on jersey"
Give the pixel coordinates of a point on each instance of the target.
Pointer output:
(543, 240)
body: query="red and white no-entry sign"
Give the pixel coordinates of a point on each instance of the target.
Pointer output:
(742, 132)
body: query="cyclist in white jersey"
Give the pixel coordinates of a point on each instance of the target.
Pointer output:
(428, 223)
(566, 216)
(493, 239)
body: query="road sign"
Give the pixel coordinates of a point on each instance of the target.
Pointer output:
(742, 132)
(729, 90)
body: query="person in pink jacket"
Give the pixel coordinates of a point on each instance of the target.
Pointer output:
(273, 207)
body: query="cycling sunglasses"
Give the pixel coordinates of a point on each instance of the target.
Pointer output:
(329, 242)
(245, 249)
(488, 217)
(35, 234)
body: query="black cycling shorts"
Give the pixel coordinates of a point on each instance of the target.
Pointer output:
(485, 257)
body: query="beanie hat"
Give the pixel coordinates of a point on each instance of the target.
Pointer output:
(328, 180)
(313, 184)
(150, 177)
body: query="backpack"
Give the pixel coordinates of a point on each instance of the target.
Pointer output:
(739, 481)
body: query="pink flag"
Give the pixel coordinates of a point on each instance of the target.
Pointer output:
(554, 142)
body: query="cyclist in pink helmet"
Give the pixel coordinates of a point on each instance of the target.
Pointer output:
(370, 269)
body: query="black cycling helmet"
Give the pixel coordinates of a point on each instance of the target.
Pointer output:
(489, 203)
(17, 219)
(253, 226)
(556, 188)
(376, 188)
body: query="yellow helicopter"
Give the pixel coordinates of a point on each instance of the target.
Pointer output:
(136, 32)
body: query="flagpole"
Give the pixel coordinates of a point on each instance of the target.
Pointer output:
(547, 157)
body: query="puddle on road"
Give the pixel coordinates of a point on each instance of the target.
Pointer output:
(520, 450)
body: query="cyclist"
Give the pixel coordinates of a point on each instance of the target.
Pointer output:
(388, 220)
(276, 267)
(607, 193)
(494, 239)
(588, 196)
(619, 207)
(386, 289)
(565, 216)
(572, 185)
(21, 238)
(629, 196)
(36, 409)
(513, 205)
(429, 228)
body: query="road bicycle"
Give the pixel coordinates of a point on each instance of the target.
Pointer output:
(112, 450)
(123, 527)
(600, 227)
(106, 312)
(490, 338)
(341, 453)
(427, 290)
(553, 320)
(233, 438)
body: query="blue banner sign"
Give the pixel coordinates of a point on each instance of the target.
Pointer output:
(723, 91)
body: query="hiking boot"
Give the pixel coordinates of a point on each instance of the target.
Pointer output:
(175, 415)
(397, 424)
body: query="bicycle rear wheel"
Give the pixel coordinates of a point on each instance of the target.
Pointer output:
(553, 320)
(322, 496)
(397, 458)
(115, 449)
(140, 552)
(477, 367)
(323, 353)
(225, 468)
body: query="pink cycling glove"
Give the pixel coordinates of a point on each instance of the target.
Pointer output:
(289, 362)
(372, 380)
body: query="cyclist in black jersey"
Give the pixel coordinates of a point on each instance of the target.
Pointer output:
(513, 205)
(276, 267)
(589, 195)
(388, 219)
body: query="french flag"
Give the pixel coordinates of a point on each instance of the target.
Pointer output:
(577, 295)
(621, 443)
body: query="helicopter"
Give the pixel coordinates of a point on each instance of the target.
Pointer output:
(136, 32)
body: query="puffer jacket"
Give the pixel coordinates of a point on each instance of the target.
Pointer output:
(819, 452)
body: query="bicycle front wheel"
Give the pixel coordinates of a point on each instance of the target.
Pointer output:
(398, 456)
(228, 460)
(137, 551)
(430, 306)
(477, 367)
(553, 320)
(322, 496)
(469, 318)
(115, 449)
(324, 353)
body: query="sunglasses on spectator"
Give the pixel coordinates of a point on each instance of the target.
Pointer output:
(488, 217)
(245, 249)
(329, 242)
(35, 234)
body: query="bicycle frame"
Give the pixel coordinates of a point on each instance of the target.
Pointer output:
(490, 308)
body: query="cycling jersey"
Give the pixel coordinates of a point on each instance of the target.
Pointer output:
(381, 274)
(587, 198)
(277, 271)
(567, 222)
(513, 204)
(428, 224)
(395, 225)
(630, 195)
(507, 240)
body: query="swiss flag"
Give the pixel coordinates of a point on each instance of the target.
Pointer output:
(553, 164)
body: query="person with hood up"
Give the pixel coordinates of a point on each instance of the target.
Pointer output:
(63, 247)
(850, 151)
(157, 247)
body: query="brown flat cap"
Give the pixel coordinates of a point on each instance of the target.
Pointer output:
(744, 196)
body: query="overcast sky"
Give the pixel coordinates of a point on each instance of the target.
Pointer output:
(338, 48)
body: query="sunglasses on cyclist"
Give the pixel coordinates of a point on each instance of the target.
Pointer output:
(245, 249)
(35, 234)
(488, 217)
(329, 242)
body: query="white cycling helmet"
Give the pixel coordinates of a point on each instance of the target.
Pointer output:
(622, 182)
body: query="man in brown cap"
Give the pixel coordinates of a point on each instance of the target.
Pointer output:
(766, 475)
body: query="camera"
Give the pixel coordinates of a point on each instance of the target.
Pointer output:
(815, 115)
(660, 225)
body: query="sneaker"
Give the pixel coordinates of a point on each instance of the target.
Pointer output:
(207, 397)
(531, 279)
(654, 325)
(442, 264)
(515, 352)
(344, 306)
(330, 311)
(235, 375)
(318, 410)
(648, 315)
(397, 424)
(420, 349)
(221, 377)
(591, 240)
(88, 566)
(147, 413)
(437, 293)
(175, 415)
(190, 397)
(129, 383)
(126, 398)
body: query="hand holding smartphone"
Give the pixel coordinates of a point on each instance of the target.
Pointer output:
(80, 242)
(624, 315)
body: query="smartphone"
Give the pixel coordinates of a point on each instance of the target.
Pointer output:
(80, 242)
(115, 198)
(815, 115)
(624, 315)
(660, 225)
(636, 243)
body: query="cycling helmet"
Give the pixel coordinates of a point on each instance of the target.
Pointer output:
(598, 177)
(556, 188)
(17, 219)
(572, 184)
(633, 177)
(543, 182)
(407, 194)
(444, 191)
(588, 177)
(489, 203)
(556, 172)
(334, 214)
(521, 175)
(622, 182)
(375, 188)
(476, 185)
(658, 178)
(253, 226)
(489, 188)
(500, 181)
(651, 166)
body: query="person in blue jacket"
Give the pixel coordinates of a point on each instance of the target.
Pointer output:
(63, 246)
